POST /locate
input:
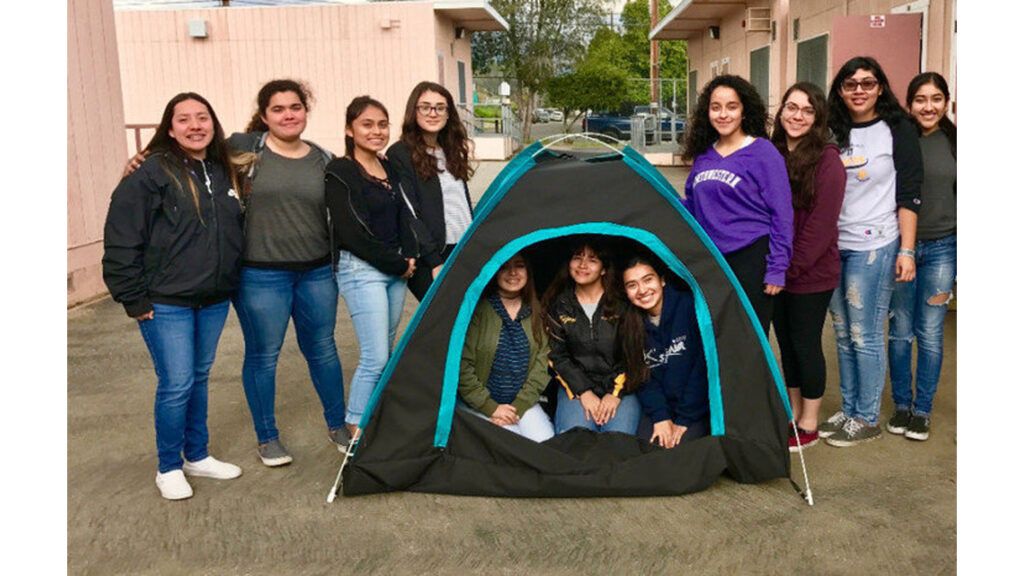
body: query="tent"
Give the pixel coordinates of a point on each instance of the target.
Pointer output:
(415, 439)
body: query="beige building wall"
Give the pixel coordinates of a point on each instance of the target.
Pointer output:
(816, 17)
(453, 50)
(340, 51)
(96, 148)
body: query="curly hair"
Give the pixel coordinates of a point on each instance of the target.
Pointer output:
(452, 139)
(700, 134)
(945, 124)
(887, 107)
(802, 161)
(256, 123)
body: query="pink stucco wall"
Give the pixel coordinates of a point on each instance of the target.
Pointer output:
(96, 146)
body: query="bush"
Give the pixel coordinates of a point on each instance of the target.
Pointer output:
(487, 111)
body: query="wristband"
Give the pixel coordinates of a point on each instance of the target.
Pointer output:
(906, 252)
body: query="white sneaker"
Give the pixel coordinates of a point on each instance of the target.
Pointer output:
(173, 485)
(210, 467)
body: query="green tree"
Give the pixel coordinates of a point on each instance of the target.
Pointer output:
(545, 37)
(599, 86)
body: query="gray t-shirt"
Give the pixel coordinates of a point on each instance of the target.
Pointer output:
(286, 219)
(589, 309)
(937, 217)
(457, 215)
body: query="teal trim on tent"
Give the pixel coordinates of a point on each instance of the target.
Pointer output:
(449, 390)
(502, 182)
(645, 169)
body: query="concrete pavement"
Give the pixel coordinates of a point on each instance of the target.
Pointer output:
(886, 507)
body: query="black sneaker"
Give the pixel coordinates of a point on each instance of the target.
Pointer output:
(273, 453)
(854, 432)
(918, 428)
(898, 423)
(834, 424)
(341, 438)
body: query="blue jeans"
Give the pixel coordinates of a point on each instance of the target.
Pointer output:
(182, 342)
(569, 414)
(375, 302)
(859, 308)
(919, 311)
(266, 299)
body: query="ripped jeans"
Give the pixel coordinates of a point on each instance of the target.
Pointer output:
(859, 308)
(919, 310)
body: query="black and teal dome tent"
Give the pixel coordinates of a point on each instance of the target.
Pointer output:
(414, 437)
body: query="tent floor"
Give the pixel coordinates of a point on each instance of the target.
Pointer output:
(886, 507)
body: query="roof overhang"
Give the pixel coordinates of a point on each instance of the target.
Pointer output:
(473, 15)
(692, 17)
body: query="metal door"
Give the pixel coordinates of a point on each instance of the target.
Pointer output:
(892, 39)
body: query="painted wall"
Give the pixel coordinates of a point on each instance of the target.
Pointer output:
(454, 50)
(96, 145)
(340, 51)
(816, 17)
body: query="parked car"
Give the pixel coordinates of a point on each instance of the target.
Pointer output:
(666, 122)
(556, 115)
(540, 115)
(617, 125)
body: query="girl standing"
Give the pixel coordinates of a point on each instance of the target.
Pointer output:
(172, 248)
(505, 357)
(582, 318)
(372, 228)
(286, 271)
(817, 178)
(663, 347)
(738, 189)
(877, 224)
(433, 159)
(919, 306)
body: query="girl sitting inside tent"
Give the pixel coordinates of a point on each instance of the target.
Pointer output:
(582, 314)
(660, 328)
(505, 358)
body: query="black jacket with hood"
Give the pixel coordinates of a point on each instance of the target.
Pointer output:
(158, 248)
(348, 218)
(585, 354)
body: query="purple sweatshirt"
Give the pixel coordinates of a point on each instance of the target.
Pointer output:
(742, 197)
(814, 266)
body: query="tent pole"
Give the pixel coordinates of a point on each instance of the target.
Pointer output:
(337, 480)
(806, 494)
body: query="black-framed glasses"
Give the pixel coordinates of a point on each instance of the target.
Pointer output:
(426, 109)
(866, 84)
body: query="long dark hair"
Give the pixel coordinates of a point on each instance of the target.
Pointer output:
(700, 134)
(356, 107)
(887, 107)
(802, 161)
(174, 161)
(945, 124)
(528, 295)
(256, 123)
(563, 280)
(632, 334)
(452, 139)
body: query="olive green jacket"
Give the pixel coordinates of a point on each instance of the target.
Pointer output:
(478, 357)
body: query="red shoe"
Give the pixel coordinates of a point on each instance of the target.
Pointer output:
(807, 439)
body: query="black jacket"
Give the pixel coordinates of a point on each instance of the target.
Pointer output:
(426, 195)
(585, 355)
(157, 248)
(348, 219)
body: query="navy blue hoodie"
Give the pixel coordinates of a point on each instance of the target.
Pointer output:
(678, 387)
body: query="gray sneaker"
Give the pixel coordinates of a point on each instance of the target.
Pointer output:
(273, 453)
(918, 427)
(854, 432)
(832, 425)
(341, 438)
(898, 423)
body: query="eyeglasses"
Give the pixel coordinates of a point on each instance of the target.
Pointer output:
(426, 109)
(867, 84)
(791, 109)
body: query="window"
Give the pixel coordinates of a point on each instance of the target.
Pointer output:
(692, 90)
(759, 72)
(812, 61)
(462, 81)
